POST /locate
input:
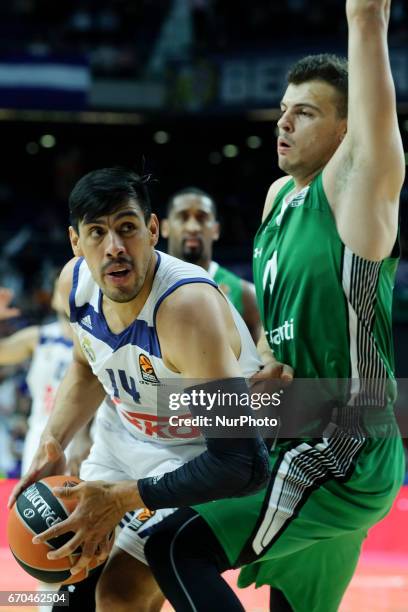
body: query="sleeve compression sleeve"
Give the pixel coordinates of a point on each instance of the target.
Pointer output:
(229, 467)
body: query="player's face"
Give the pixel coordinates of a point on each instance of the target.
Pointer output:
(191, 228)
(118, 249)
(310, 129)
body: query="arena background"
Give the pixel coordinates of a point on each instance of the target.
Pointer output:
(187, 90)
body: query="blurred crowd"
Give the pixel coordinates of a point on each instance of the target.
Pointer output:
(115, 35)
(118, 36)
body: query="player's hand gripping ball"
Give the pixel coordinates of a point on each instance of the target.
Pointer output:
(35, 510)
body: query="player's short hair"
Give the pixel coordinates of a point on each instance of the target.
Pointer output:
(326, 67)
(191, 191)
(102, 191)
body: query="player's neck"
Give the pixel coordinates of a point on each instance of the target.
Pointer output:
(301, 181)
(205, 263)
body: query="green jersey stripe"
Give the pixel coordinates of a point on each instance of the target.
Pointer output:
(301, 470)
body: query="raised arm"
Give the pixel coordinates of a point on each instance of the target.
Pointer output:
(19, 346)
(363, 179)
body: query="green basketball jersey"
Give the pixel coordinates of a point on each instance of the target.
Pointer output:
(229, 283)
(325, 311)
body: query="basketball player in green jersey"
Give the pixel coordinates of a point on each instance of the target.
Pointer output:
(324, 264)
(191, 228)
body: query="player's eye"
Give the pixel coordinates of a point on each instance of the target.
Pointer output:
(95, 232)
(127, 228)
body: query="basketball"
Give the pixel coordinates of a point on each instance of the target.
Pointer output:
(35, 510)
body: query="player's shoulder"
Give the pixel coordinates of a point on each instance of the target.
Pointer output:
(189, 304)
(173, 269)
(173, 273)
(67, 272)
(273, 191)
(65, 280)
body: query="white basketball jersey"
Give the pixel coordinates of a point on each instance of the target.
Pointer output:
(50, 360)
(129, 365)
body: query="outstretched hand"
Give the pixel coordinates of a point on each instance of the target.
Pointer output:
(273, 375)
(6, 311)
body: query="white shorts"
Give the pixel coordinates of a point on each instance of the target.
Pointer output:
(117, 455)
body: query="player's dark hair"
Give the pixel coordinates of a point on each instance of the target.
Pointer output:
(325, 67)
(191, 191)
(102, 191)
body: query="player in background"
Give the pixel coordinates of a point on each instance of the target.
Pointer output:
(49, 347)
(191, 228)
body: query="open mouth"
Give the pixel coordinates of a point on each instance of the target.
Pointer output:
(283, 147)
(119, 273)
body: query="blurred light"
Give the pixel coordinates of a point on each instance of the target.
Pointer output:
(215, 157)
(161, 137)
(49, 116)
(230, 150)
(264, 114)
(32, 148)
(254, 142)
(47, 141)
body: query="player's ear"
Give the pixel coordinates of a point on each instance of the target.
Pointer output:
(164, 228)
(75, 242)
(343, 130)
(154, 230)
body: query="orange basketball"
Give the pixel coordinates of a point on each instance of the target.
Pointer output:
(35, 510)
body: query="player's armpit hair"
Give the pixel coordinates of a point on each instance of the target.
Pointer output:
(230, 467)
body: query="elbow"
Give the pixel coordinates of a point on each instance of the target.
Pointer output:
(258, 472)
(261, 468)
(368, 15)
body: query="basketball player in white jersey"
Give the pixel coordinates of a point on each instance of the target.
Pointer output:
(50, 349)
(141, 319)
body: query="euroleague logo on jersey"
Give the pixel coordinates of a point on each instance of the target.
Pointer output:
(140, 518)
(147, 371)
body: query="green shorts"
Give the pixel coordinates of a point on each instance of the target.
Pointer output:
(303, 534)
